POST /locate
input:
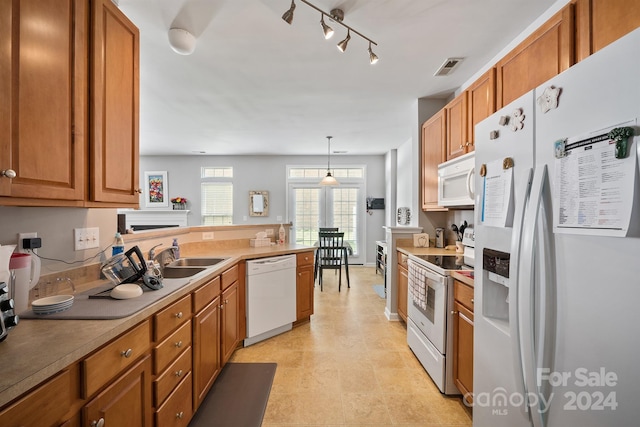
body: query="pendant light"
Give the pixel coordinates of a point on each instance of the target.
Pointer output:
(329, 179)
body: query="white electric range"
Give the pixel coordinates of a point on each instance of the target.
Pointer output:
(430, 322)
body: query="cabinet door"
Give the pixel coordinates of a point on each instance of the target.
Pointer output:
(43, 88)
(206, 350)
(457, 141)
(114, 106)
(544, 54)
(230, 330)
(403, 289)
(304, 292)
(481, 101)
(463, 350)
(126, 402)
(433, 151)
(611, 20)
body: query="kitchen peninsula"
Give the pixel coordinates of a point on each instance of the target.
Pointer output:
(63, 367)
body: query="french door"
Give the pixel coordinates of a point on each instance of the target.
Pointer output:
(312, 206)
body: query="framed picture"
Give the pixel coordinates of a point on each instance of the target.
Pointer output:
(258, 203)
(156, 189)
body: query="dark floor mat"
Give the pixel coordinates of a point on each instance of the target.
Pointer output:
(238, 397)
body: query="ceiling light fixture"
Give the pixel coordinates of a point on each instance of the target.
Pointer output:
(327, 30)
(337, 15)
(288, 15)
(329, 179)
(373, 58)
(182, 41)
(342, 46)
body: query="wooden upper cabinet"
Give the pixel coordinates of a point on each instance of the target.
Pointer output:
(544, 54)
(601, 22)
(43, 89)
(432, 154)
(481, 101)
(457, 141)
(114, 103)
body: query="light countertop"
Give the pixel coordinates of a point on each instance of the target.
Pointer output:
(36, 349)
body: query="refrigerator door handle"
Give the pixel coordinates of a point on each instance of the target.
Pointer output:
(514, 284)
(527, 297)
(470, 176)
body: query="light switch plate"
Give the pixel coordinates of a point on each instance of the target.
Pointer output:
(86, 238)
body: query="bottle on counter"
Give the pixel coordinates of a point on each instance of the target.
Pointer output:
(176, 248)
(281, 235)
(118, 246)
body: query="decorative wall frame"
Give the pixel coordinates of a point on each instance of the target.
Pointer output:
(258, 203)
(156, 189)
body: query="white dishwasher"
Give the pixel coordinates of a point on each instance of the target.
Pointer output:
(271, 297)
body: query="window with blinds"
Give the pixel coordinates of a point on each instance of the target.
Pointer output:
(217, 196)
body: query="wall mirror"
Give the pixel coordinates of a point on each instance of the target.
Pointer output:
(259, 203)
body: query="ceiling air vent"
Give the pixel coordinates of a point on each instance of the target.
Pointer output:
(449, 65)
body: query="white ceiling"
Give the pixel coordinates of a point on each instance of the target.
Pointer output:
(256, 85)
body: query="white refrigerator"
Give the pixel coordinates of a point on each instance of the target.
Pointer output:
(557, 271)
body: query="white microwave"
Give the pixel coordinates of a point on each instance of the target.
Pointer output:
(456, 183)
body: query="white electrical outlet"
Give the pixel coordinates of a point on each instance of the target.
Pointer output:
(86, 238)
(21, 237)
(279, 218)
(207, 235)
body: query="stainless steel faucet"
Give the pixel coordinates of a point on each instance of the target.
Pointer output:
(152, 252)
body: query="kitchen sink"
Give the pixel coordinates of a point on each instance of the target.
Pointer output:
(170, 272)
(195, 262)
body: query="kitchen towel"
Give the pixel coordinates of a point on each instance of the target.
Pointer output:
(417, 284)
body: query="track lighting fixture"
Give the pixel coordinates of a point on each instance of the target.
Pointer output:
(337, 16)
(373, 58)
(329, 179)
(342, 46)
(288, 15)
(328, 31)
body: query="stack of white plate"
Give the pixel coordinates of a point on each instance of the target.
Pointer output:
(50, 305)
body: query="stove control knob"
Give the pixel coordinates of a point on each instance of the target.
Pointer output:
(11, 321)
(6, 305)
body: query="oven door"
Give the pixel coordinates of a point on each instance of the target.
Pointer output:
(431, 316)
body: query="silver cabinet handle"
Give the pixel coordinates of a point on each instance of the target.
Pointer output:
(99, 423)
(454, 312)
(179, 415)
(179, 373)
(9, 173)
(222, 307)
(179, 344)
(178, 315)
(127, 353)
(471, 300)
(226, 301)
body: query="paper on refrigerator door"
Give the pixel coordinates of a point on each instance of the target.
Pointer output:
(497, 195)
(593, 189)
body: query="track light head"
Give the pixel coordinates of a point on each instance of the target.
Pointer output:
(327, 30)
(342, 46)
(373, 58)
(288, 15)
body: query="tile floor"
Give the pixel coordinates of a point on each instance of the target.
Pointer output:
(350, 366)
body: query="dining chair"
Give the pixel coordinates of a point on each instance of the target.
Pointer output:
(330, 254)
(315, 265)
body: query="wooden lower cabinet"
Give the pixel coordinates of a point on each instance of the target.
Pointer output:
(207, 354)
(230, 307)
(403, 285)
(177, 410)
(463, 339)
(126, 402)
(304, 286)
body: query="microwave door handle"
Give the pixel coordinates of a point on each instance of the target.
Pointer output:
(471, 191)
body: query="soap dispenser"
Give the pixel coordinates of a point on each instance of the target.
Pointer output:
(176, 248)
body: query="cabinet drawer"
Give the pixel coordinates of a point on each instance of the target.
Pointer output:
(171, 317)
(113, 358)
(402, 259)
(304, 258)
(205, 294)
(170, 378)
(171, 347)
(229, 276)
(52, 399)
(463, 294)
(177, 410)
